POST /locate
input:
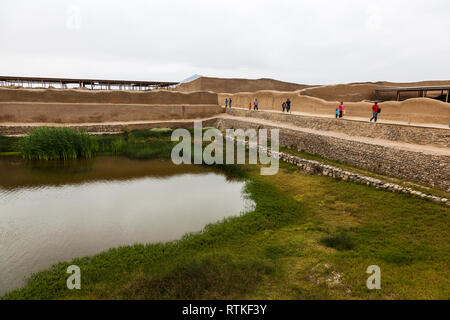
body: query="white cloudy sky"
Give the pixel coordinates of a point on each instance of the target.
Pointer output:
(310, 41)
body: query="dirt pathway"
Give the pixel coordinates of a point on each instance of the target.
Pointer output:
(360, 119)
(374, 141)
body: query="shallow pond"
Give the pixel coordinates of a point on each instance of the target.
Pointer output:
(57, 211)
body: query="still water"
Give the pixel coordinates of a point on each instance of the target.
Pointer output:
(52, 212)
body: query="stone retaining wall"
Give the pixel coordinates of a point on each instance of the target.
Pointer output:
(317, 168)
(11, 130)
(392, 132)
(408, 165)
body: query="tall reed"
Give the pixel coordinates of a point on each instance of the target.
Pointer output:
(50, 143)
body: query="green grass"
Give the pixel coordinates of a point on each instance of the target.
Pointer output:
(138, 144)
(48, 143)
(129, 267)
(413, 185)
(196, 278)
(8, 144)
(304, 233)
(340, 241)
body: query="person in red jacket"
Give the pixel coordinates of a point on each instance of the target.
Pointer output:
(375, 109)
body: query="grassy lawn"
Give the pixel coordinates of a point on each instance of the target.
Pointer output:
(309, 237)
(413, 185)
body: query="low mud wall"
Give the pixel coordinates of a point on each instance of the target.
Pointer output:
(419, 110)
(105, 96)
(392, 132)
(408, 165)
(21, 112)
(79, 106)
(12, 130)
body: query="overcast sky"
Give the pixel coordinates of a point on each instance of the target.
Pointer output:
(314, 42)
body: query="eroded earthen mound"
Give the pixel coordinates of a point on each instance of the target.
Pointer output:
(220, 85)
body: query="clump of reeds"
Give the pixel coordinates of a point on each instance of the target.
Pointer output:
(49, 143)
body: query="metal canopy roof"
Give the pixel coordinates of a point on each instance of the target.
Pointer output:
(422, 88)
(88, 81)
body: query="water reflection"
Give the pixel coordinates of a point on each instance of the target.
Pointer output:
(57, 212)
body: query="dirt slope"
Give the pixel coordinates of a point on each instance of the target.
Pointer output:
(220, 85)
(355, 92)
(352, 92)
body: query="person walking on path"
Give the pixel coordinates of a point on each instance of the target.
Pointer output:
(226, 103)
(375, 110)
(288, 105)
(341, 109)
(250, 105)
(283, 106)
(229, 103)
(337, 113)
(255, 105)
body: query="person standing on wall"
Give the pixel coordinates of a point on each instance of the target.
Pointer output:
(288, 105)
(250, 105)
(226, 103)
(255, 105)
(341, 109)
(375, 110)
(283, 106)
(229, 103)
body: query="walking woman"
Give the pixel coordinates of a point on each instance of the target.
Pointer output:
(341, 109)
(255, 105)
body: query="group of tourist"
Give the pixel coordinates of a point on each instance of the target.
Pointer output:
(228, 102)
(340, 111)
(286, 106)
